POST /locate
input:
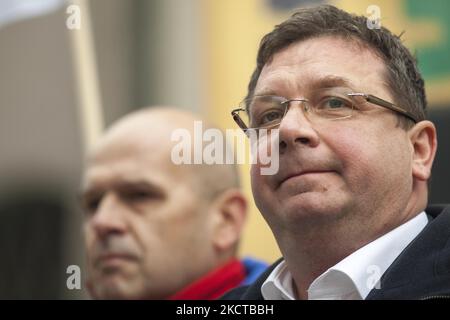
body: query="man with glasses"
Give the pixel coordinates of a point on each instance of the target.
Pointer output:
(157, 230)
(348, 205)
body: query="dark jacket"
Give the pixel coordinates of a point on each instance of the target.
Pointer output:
(421, 271)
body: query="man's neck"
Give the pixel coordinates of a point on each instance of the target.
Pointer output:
(311, 250)
(314, 254)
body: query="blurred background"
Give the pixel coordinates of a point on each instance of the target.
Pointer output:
(59, 85)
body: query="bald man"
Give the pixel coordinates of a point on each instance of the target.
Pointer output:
(156, 230)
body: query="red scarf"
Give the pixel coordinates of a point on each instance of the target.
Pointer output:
(214, 284)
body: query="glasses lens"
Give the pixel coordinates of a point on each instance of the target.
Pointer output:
(265, 111)
(332, 104)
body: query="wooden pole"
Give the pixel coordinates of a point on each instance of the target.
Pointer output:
(86, 77)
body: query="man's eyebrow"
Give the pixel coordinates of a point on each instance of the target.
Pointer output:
(121, 186)
(90, 192)
(266, 92)
(329, 81)
(140, 184)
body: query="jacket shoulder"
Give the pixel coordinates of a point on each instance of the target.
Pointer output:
(422, 269)
(235, 294)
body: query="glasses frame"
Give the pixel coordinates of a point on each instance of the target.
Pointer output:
(368, 97)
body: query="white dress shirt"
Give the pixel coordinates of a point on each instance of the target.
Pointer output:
(353, 277)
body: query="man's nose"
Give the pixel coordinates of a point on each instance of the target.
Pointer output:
(109, 217)
(296, 129)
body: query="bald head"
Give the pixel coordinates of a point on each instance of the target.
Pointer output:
(169, 223)
(149, 130)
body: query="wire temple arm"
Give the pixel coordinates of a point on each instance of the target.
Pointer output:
(383, 103)
(393, 107)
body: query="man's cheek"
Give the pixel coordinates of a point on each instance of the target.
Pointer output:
(259, 182)
(265, 153)
(255, 173)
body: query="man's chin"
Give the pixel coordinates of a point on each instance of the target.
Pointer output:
(114, 288)
(311, 206)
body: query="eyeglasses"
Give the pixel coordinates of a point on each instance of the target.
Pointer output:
(267, 111)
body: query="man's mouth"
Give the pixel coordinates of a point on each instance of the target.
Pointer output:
(300, 174)
(109, 259)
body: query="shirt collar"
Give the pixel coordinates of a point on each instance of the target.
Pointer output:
(356, 275)
(279, 284)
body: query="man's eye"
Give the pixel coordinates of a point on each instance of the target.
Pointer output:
(136, 196)
(90, 206)
(270, 117)
(335, 103)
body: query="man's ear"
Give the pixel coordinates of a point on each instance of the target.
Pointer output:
(229, 211)
(424, 142)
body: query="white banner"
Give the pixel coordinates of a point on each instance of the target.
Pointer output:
(15, 10)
